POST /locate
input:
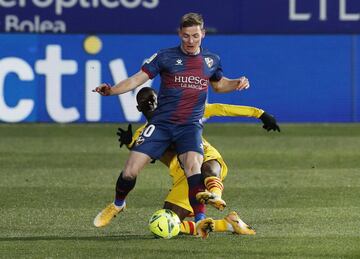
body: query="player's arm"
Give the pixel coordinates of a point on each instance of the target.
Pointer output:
(225, 85)
(218, 109)
(123, 86)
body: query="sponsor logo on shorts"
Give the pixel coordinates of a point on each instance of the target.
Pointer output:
(139, 141)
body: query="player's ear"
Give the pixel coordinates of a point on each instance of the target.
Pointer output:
(179, 32)
(203, 33)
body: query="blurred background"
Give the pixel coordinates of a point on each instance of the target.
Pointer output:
(301, 56)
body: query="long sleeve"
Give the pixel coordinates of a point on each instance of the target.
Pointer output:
(219, 109)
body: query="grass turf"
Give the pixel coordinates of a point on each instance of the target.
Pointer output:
(299, 188)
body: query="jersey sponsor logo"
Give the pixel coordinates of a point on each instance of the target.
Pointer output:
(209, 62)
(194, 82)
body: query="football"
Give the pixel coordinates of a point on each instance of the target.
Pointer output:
(165, 224)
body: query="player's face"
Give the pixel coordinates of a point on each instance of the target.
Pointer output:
(148, 103)
(191, 38)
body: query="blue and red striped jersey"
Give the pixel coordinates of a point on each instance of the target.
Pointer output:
(184, 83)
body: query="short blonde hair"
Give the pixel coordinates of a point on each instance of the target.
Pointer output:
(192, 19)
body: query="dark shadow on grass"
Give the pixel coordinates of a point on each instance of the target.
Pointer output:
(85, 238)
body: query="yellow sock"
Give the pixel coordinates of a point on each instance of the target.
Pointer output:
(188, 227)
(214, 184)
(221, 225)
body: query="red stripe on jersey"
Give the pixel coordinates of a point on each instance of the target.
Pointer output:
(185, 107)
(168, 80)
(151, 76)
(193, 83)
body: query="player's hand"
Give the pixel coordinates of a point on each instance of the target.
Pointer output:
(243, 83)
(125, 136)
(269, 122)
(103, 89)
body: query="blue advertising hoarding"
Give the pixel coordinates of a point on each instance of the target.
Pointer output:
(162, 16)
(49, 78)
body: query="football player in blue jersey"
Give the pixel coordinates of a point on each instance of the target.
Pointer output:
(185, 71)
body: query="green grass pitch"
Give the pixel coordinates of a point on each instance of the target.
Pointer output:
(299, 188)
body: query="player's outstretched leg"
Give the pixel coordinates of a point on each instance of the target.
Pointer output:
(204, 227)
(107, 214)
(239, 226)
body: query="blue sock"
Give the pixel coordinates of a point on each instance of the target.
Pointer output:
(119, 203)
(199, 216)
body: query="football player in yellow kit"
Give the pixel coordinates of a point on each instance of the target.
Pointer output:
(213, 170)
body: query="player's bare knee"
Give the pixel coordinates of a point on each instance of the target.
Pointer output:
(128, 175)
(211, 168)
(192, 162)
(192, 168)
(130, 171)
(134, 165)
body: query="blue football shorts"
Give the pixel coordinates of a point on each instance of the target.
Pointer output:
(157, 137)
